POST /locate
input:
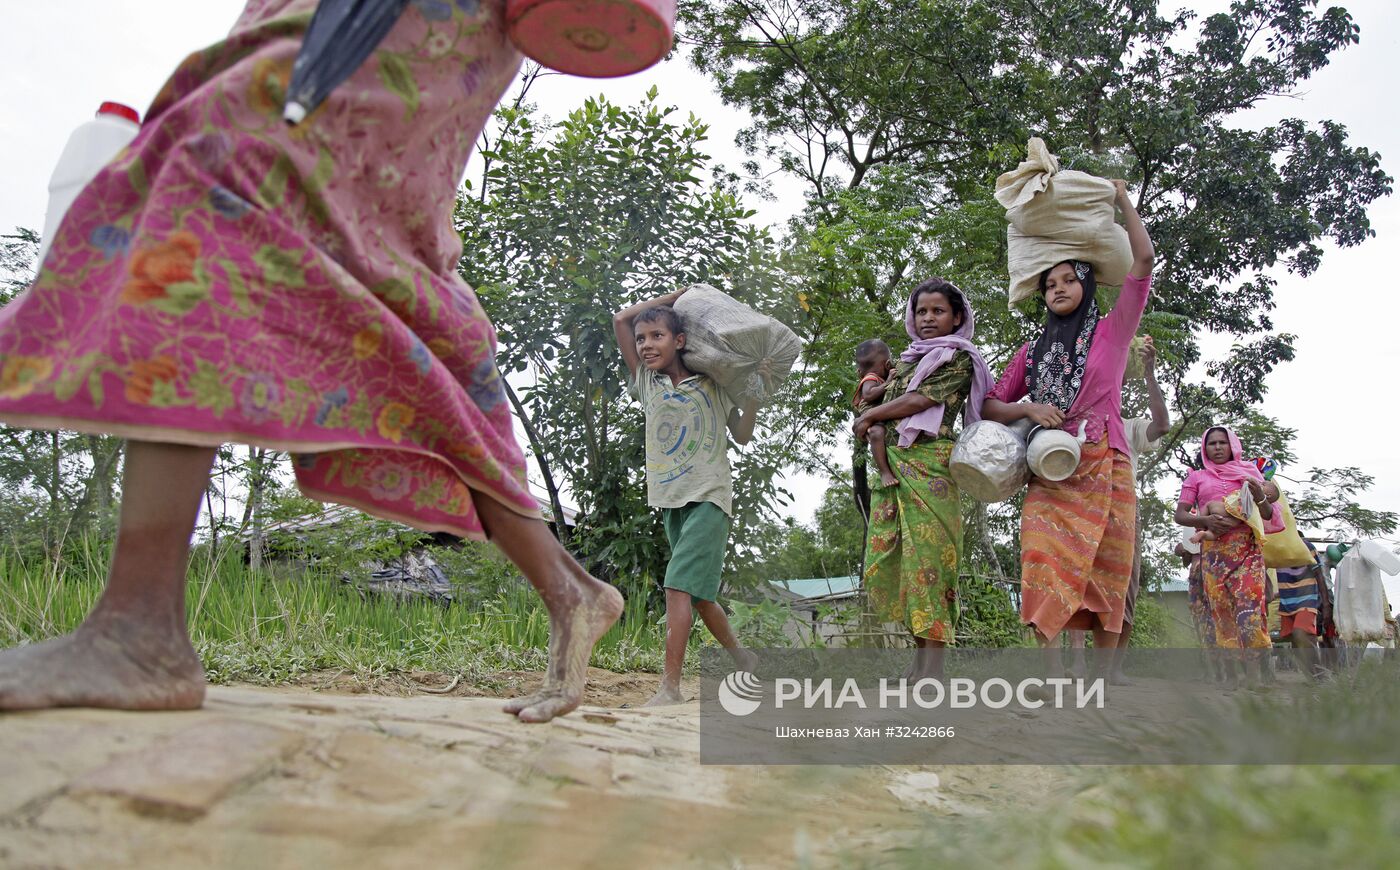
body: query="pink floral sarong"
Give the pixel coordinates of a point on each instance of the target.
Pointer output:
(230, 278)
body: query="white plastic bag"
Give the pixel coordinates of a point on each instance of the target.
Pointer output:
(726, 339)
(1376, 553)
(1360, 608)
(1059, 215)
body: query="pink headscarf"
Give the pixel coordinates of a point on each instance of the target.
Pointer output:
(931, 353)
(1232, 471)
(1235, 471)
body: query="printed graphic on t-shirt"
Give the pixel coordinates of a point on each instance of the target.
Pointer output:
(686, 429)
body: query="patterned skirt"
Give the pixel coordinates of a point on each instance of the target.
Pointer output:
(915, 542)
(229, 278)
(1235, 587)
(1200, 610)
(1077, 542)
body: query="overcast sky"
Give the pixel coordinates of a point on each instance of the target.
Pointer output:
(63, 59)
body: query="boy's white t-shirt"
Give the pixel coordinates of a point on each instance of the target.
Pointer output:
(1136, 431)
(687, 439)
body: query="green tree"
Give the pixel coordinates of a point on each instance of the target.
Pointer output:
(18, 251)
(53, 485)
(899, 114)
(780, 548)
(571, 222)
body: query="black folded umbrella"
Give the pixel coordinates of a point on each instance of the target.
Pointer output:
(342, 34)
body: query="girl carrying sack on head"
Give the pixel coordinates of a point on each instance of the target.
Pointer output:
(1078, 534)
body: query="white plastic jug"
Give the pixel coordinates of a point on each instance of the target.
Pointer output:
(90, 147)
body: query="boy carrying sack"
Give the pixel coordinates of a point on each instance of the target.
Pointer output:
(688, 475)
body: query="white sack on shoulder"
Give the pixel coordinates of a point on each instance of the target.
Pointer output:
(1057, 215)
(726, 339)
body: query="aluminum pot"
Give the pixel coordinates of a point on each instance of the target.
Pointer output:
(989, 461)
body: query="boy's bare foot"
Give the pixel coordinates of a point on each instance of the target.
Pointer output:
(744, 660)
(887, 480)
(666, 696)
(108, 662)
(1040, 693)
(576, 621)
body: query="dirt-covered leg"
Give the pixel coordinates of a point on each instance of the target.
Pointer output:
(132, 652)
(717, 622)
(679, 618)
(581, 607)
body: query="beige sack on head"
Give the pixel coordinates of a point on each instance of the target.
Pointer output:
(1059, 215)
(726, 339)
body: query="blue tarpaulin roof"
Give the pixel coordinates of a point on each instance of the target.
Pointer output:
(816, 587)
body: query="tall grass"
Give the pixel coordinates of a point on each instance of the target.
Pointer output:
(277, 625)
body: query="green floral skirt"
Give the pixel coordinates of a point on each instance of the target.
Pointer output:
(912, 554)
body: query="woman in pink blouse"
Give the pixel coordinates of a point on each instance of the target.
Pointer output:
(1077, 534)
(1233, 581)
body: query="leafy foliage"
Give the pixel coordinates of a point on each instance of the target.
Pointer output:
(571, 222)
(783, 549)
(897, 117)
(53, 485)
(18, 251)
(277, 625)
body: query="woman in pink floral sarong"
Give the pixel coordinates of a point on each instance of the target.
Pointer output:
(231, 278)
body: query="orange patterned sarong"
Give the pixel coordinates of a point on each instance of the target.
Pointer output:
(1077, 540)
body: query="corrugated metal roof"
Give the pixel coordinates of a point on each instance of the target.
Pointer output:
(818, 587)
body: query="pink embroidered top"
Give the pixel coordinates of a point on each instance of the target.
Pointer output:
(1199, 489)
(1099, 404)
(1218, 479)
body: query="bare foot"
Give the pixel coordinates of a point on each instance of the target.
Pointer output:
(744, 660)
(666, 696)
(575, 624)
(515, 705)
(1042, 693)
(1202, 536)
(108, 662)
(1118, 678)
(887, 480)
(550, 687)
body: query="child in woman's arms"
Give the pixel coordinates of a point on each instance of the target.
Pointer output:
(1239, 505)
(873, 365)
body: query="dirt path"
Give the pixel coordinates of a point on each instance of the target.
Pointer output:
(605, 688)
(296, 778)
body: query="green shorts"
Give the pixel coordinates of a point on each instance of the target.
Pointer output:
(699, 535)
